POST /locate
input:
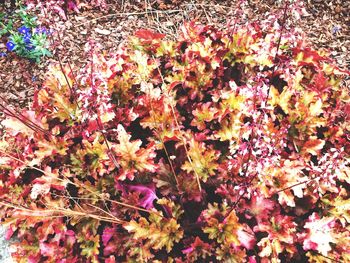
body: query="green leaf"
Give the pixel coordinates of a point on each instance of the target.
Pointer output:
(90, 247)
(161, 232)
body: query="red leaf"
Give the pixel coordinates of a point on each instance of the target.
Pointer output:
(148, 34)
(313, 146)
(320, 82)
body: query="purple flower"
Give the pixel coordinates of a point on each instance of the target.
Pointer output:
(28, 41)
(336, 29)
(24, 30)
(10, 46)
(41, 30)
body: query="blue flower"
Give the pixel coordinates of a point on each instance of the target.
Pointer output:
(10, 46)
(24, 30)
(2, 54)
(27, 38)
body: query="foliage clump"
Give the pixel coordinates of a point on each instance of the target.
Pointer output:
(221, 146)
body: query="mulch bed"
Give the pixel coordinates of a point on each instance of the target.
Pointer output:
(326, 25)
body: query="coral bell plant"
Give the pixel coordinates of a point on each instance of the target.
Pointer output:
(221, 146)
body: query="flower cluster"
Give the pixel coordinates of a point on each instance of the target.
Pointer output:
(29, 40)
(32, 45)
(25, 37)
(230, 146)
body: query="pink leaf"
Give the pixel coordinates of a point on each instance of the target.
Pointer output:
(107, 235)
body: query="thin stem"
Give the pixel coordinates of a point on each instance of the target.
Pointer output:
(99, 123)
(82, 186)
(60, 212)
(268, 94)
(23, 119)
(163, 144)
(278, 45)
(61, 64)
(184, 142)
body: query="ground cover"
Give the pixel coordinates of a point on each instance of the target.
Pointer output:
(224, 138)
